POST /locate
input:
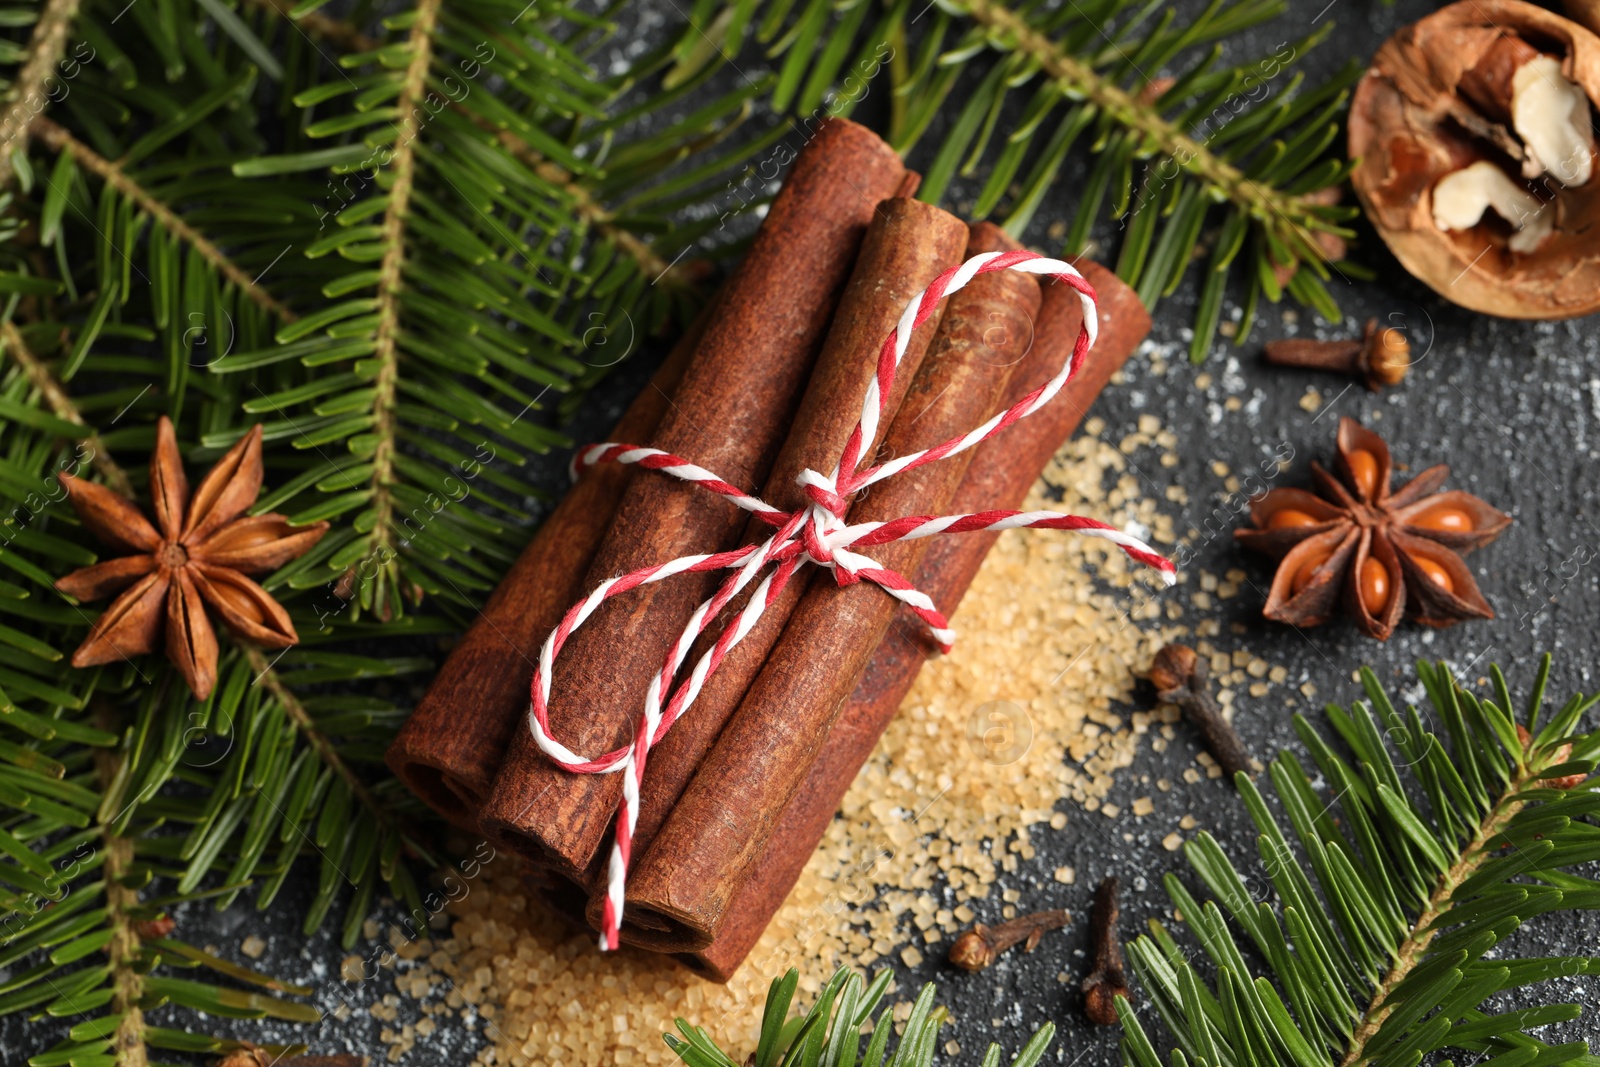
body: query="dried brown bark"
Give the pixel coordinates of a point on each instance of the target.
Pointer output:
(682, 886)
(729, 415)
(1000, 475)
(891, 270)
(450, 749)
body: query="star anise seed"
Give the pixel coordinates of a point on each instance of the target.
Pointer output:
(196, 555)
(1383, 554)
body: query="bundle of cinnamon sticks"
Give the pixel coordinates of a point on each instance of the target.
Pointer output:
(767, 384)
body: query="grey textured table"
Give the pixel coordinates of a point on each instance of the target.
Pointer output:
(1514, 408)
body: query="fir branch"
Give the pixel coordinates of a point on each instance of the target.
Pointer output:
(149, 770)
(1079, 79)
(1415, 947)
(62, 406)
(1382, 945)
(122, 951)
(830, 1032)
(266, 674)
(1173, 135)
(123, 954)
(475, 270)
(391, 284)
(593, 213)
(24, 104)
(58, 139)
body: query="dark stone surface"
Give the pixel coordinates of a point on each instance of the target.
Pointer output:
(1514, 408)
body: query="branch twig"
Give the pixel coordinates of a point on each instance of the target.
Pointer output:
(1192, 155)
(26, 95)
(1415, 946)
(57, 139)
(391, 281)
(307, 726)
(61, 405)
(590, 210)
(122, 951)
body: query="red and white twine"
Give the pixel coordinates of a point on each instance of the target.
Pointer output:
(817, 533)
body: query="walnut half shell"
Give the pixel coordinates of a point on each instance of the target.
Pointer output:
(1476, 167)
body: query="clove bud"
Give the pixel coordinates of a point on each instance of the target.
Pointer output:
(1180, 677)
(1109, 979)
(978, 947)
(1380, 357)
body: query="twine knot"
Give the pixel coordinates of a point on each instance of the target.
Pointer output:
(823, 492)
(824, 525)
(818, 533)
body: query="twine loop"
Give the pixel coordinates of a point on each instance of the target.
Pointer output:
(818, 533)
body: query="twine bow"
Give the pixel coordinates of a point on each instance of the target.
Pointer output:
(817, 533)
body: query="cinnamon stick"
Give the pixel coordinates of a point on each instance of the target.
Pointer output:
(908, 245)
(448, 751)
(728, 415)
(1000, 476)
(684, 881)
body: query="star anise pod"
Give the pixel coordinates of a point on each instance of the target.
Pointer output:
(196, 555)
(1383, 554)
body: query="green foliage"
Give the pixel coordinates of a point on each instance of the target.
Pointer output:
(1424, 850)
(186, 228)
(829, 1034)
(407, 244)
(1426, 853)
(487, 220)
(1429, 850)
(1229, 164)
(121, 796)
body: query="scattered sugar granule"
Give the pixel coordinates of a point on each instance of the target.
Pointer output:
(1057, 627)
(253, 947)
